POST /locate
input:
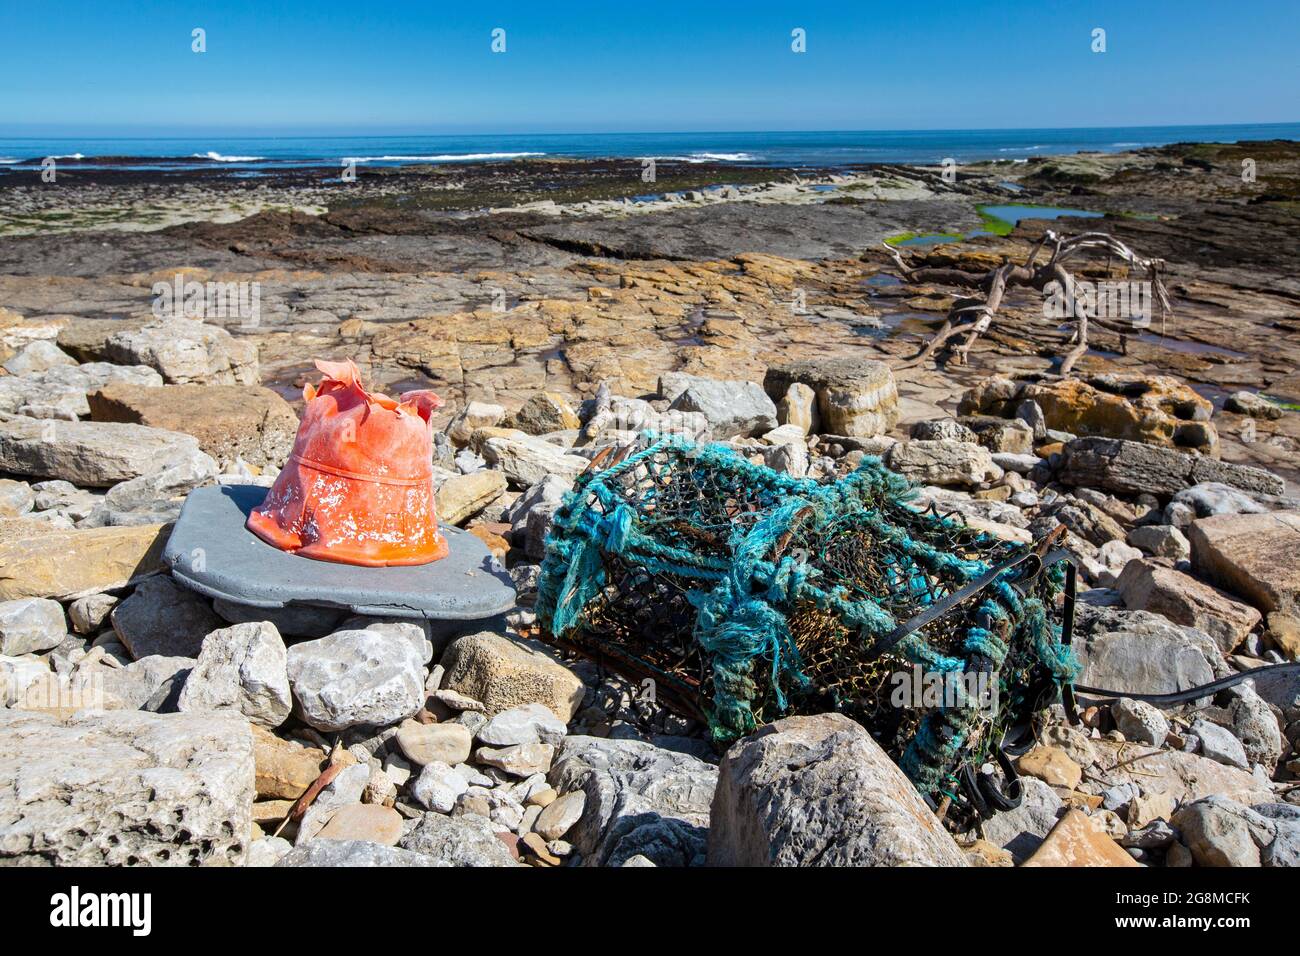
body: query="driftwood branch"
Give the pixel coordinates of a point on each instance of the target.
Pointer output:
(972, 317)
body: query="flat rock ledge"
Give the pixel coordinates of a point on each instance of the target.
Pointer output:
(124, 788)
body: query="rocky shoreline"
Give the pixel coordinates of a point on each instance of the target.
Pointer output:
(143, 723)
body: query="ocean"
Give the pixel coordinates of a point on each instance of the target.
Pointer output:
(792, 149)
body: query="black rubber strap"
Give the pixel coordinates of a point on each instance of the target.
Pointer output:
(940, 608)
(1192, 693)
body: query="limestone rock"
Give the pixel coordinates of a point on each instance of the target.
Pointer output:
(457, 841)
(639, 799)
(525, 460)
(161, 617)
(1077, 841)
(545, 412)
(1051, 765)
(352, 853)
(504, 672)
(1147, 586)
(519, 760)
(38, 356)
(560, 815)
(1021, 831)
(1143, 653)
(1255, 726)
(1219, 744)
(463, 496)
(186, 352)
(267, 851)
(473, 416)
(1140, 722)
(34, 558)
(943, 463)
(346, 789)
(1132, 468)
(1152, 409)
(1220, 832)
(125, 788)
(30, 624)
(1284, 632)
(356, 677)
(229, 421)
(88, 613)
(855, 397)
(1252, 404)
(284, 769)
(152, 683)
(61, 392)
(1163, 541)
(438, 786)
(1214, 498)
(363, 821)
(1008, 436)
(1183, 776)
(16, 498)
(1251, 555)
(798, 407)
(159, 495)
(88, 454)
(425, 743)
(943, 429)
(732, 408)
(818, 791)
(528, 724)
(242, 668)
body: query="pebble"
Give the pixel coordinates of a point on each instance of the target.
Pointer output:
(528, 724)
(438, 786)
(429, 743)
(559, 816)
(363, 821)
(519, 760)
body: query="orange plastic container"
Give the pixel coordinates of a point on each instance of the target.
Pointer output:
(358, 488)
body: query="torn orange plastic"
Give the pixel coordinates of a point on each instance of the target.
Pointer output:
(358, 488)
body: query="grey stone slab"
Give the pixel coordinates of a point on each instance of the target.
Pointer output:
(212, 552)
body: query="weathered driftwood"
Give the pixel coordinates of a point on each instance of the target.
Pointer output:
(972, 317)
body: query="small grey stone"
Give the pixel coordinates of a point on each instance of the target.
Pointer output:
(30, 624)
(88, 613)
(1164, 541)
(161, 617)
(457, 841)
(242, 668)
(527, 724)
(333, 853)
(438, 786)
(267, 851)
(1140, 722)
(1219, 744)
(356, 677)
(558, 817)
(428, 743)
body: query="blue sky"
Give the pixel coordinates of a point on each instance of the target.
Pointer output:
(284, 66)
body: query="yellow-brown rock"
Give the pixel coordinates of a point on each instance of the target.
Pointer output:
(1077, 841)
(38, 561)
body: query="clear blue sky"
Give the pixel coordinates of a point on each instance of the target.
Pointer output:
(104, 67)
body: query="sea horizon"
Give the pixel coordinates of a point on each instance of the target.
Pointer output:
(766, 148)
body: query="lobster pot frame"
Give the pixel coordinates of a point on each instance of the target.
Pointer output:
(747, 595)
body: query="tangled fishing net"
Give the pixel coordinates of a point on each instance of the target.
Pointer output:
(747, 595)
